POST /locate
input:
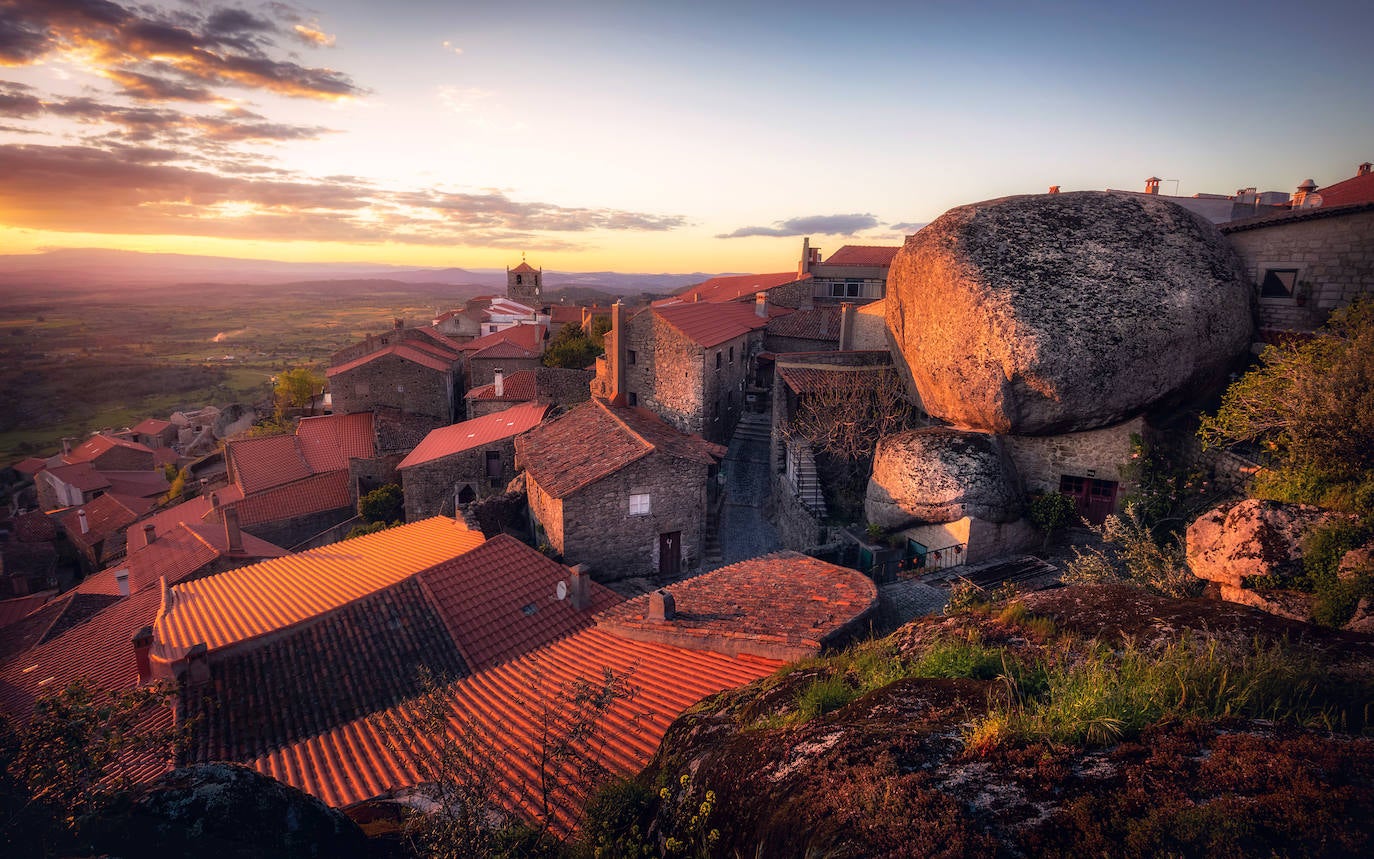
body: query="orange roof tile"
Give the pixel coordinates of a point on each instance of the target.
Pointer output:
(177, 554)
(403, 350)
(151, 426)
(526, 335)
(315, 494)
(105, 517)
(361, 759)
(30, 466)
(242, 604)
(261, 463)
(733, 287)
(781, 605)
(17, 609)
(519, 386)
(504, 349)
(822, 323)
(597, 439)
(138, 484)
(811, 380)
(81, 475)
(449, 440)
(329, 441)
(500, 601)
(862, 255)
(96, 445)
(708, 324)
(524, 268)
(1357, 189)
(191, 511)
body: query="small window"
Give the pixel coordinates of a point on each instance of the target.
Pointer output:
(1278, 283)
(853, 289)
(629, 356)
(1070, 485)
(639, 504)
(837, 290)
(732, 355)
(400, 389)
(632, 398)
(717, 360)
(519, 279)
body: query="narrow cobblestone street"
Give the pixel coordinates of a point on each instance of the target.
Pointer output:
(744, 532)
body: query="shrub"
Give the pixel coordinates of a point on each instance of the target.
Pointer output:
(384, 504)
(823, 696)
(1131, 554)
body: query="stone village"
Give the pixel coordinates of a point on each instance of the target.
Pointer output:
(687, 509)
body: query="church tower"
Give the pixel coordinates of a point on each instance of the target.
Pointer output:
(524, 284)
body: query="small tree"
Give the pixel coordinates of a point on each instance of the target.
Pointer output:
(571, 348)
(297, 389)
(1050, 513)
(1131, 554)
(384, 504)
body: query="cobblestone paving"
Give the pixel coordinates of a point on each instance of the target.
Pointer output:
(905, 601)
(744, 532)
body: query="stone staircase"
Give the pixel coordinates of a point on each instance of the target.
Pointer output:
(808, 483)
(711, 552)
(754, 426)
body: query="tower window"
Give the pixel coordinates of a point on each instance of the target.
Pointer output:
(519, 279)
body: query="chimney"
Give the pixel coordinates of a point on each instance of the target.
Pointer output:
(1364, 169)
(661, 606)
(398, 324)
(122, 581)
(1054, 189)
(499, 382)
(616, 352)
(1307, 189)
(761, 304)
(149, 533)
(66, 446)
(805, 265)
(143, 643)
(214, 500)
(368, 342)
(1152, 185)
(232, 535)
(197, 665)
(846, 326)
(85, 523)
(579, 588)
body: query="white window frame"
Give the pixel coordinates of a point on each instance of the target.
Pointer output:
(639, 504)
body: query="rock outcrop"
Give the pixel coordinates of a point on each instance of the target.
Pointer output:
(1251, 539)
(1057, 313)
(940, 475)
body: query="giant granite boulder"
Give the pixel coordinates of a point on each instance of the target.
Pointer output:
(940, 475)
(1057, 313)
(1252, 539)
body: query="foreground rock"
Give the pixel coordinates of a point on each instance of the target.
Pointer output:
(226, 811)
(894, 773)
(941, 475)
(1056, 313)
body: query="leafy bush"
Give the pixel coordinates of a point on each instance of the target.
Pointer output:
(1131, 554)
(384, 504)
(1051, 512)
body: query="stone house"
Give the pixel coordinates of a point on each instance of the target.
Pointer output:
(620, 489)
(551, 385)
(96, 530)
(461, 463)
(414, 370)
(519, 347)
(486, 315)
(103, 464)
(854, 273)
(821, 329)
(154, 433)
(783, 289)
(690, 364)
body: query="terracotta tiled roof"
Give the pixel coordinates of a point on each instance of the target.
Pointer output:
(96, 445)
(359, 760)
(529, 337)
(823, 323)
(315, 494)
(151, 426)
(519, 386)
(436, 338)
(65, 612)
(504, 350)
(811, 380)
(329, 441)
(708, 324)
(137, 484)
(500, 601)
(192, 511)
(271, 596)
(364, 657)
(457, 438)
(105, 516)
(34, 527)
(30, 466)
(1308, 214)
(862, 255)
(783, 604)
(177, 554)
(524, 268)
(566, 314)
(13, 610)
(261, 463)
(82, 475)
(597, 439)
(405, 351)
(734, 287)
(1357, 189)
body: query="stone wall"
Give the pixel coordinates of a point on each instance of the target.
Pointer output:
(796, 295)
(392, 382)
(482, 371)
(723, 379)
(430, 488)
(1102, 454)
(677, 392)
(1334, 255)
(547, 515)
(366, 475)
(598, 530)
(798, 528)
(782, 345)
(289, 533)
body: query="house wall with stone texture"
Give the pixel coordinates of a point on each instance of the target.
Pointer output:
(482, 371)
(430, 488)
(1334, 255)
(666, 376)
(597, 529)
(547, 513)
(289, 533)
(724, 376)
(798, 528)
(1101, 454)
(392, 382)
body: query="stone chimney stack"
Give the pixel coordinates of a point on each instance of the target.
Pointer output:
(398, 324)
(761, 304)
(1054, 189)
(149, 533)
(1152, 185)
(66, 446)
(232, 535)
(143, 644)
(84, 522)
(499, 382)
(579, 588)
(846, 326)
(616, 352)
(197, 665)
(661, 606)
(810, 256)
(214, 501)
(121, 577)
(1364, 169)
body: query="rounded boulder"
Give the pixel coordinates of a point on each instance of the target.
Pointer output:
(1057, 313)
(941, 475)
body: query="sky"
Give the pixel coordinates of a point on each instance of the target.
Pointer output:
(640, 136)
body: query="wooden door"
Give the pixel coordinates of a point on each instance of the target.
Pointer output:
(670, 554)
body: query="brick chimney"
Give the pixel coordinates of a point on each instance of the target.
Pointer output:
(1364, 169)
(661, 606)
(67, 445)
(616, 351)
(1307, 189)
(83, 521)
(810, 256)
(143, 643)
(846, 326)
(1152, 185)
(579, 587)
(761, 304)
(499, 382)
(233, 537)
(214, 501)
(149, 533)
(121, 578)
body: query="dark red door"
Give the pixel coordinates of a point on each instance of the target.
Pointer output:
(670, 554)
(1093, 499)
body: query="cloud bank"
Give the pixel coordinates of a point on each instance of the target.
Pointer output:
(827, 225)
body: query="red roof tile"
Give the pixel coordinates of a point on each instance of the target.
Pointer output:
(151, 426)
(1311, 213)
(708, 324)
(261, 463)
(446, 441)
(524, 268)
(361, 759)
(34, 527)
(17, 609)
(192, 511)
(527, 336)
(329, 441)
(137, 484)
(81, 475)
(435, 338)
(823, 323)
(862, 255)
(315, 494)
(65, 612)
(785, 605)
(403, 350)
(597, 439)
(500, 601)
(177, 554)
(105, 517)
(251, 601)
(504, 350)
(31, 466)
(519, 386)
(93, 447)
(734, 287)
(1357, 189)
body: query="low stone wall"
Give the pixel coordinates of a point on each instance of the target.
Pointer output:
(798, 528)
(1103, 454)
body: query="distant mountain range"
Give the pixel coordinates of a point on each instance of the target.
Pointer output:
(93, 267)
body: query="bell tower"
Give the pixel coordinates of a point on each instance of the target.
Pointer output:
(525, 284)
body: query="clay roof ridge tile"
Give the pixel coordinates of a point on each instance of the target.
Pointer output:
(650, 446)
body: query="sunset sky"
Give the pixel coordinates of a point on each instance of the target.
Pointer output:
(650, 137)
